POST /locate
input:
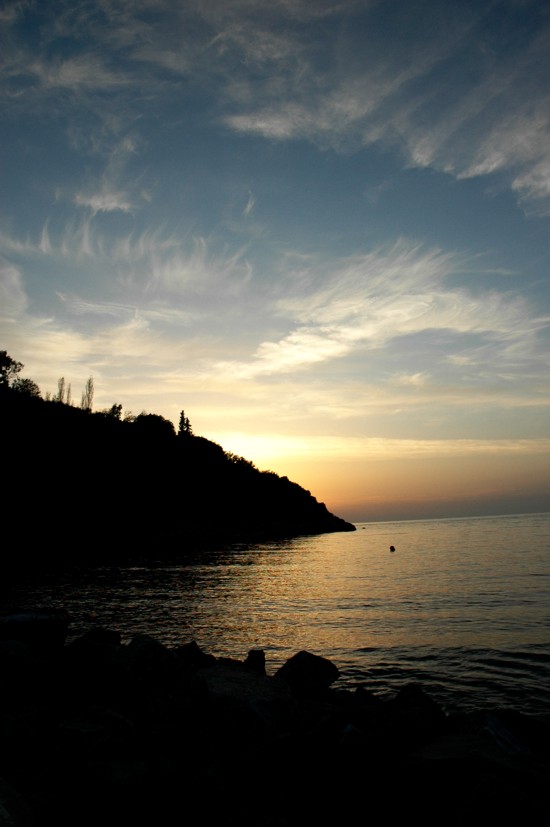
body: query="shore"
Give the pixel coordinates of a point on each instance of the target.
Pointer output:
(96, 732)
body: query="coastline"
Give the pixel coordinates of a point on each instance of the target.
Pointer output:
(96, 731)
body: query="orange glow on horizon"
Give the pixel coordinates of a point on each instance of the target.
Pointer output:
(378, 484)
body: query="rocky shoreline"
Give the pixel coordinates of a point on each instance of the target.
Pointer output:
(97, 732)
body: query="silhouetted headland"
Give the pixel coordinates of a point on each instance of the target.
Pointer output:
(97, 731)
(92, 485)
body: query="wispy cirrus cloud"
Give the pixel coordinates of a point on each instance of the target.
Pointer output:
(250, 204)
(319, 311)
(448, 98)
(350, 448)
(79, 73)
(113, 190)
(438, 85)
(369, 301)
(166, 276)
(106, 200)
(13, 299)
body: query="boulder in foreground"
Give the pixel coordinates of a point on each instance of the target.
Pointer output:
(97, 731)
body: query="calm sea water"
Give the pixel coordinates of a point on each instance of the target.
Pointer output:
(462, 605)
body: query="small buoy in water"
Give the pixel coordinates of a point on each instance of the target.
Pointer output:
(392, 548)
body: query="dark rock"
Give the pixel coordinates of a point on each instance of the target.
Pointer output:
(308, 674)
(144, 734)
(411, 719)
(95, 640)
(148, 662)
(255, 661)
(191, 656)
(412, 697)
(250, 701)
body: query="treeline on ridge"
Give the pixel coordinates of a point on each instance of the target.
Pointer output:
(84, 485)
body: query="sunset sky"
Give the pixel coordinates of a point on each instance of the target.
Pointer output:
(320, 228)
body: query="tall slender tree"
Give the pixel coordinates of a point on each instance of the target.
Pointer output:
(184, 428)
(60, 396)
(88, 395)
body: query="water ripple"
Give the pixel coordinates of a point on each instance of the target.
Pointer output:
(461, 607)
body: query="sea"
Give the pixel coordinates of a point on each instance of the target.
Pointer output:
(460, 606)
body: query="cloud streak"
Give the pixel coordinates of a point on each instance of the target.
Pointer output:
(369, 301)
(425, 104)
(446, 94)
(377, 448)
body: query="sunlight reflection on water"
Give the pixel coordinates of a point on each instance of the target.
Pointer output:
(454, 593)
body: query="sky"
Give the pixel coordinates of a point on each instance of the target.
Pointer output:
(321, 229)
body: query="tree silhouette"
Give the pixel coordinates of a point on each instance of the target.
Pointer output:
(184, 428)
(115, 411)
(88, 395)
(9, 368)
(28, 387)
(153, 426)
(60, 396)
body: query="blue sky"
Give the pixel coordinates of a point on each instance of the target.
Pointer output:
(322, 229)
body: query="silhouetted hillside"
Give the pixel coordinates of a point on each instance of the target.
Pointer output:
(81, 484)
